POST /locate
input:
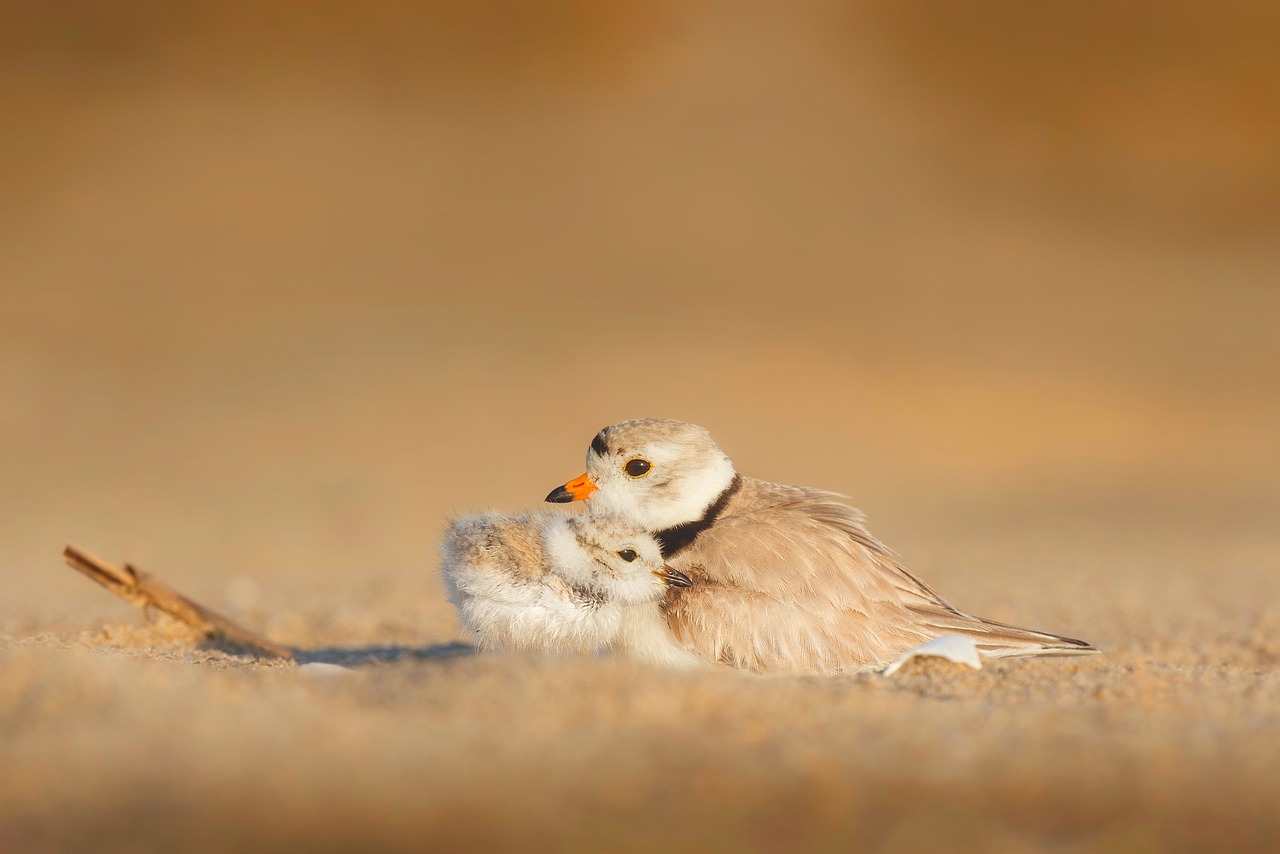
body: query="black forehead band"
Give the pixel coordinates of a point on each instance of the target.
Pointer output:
(598, 445)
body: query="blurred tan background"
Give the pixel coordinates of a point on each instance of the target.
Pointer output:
(282, 286)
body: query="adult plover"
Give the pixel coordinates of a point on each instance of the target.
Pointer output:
(783, 578)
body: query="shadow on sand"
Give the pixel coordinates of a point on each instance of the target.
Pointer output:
(350, 656)
(360, 656)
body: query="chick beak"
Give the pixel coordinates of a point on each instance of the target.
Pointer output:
(575, 490)
(673, 577)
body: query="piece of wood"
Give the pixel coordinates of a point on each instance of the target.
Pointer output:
(142, 590)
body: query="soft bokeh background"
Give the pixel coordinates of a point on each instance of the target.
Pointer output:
(282, 286)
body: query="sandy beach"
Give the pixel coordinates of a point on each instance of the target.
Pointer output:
(283, 289)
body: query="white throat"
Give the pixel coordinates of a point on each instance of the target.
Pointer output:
(658, 509)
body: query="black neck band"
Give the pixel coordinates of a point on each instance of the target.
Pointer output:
(679, 537)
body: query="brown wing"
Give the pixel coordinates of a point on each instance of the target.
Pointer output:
(506, 543)
(789, 579)
(519, 538)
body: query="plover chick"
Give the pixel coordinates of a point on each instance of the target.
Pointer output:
(550, 583)
(784, 578)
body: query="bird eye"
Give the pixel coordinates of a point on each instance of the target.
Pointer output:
(637, 467)
(628, 555)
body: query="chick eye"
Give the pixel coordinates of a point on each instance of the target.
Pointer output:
(628, 555)
(637, 467)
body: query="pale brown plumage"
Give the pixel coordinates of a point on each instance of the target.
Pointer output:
(785, 578)
(789, 579)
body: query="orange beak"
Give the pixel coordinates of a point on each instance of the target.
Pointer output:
(575, 490)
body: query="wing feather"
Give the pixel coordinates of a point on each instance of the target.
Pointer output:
(790, 579)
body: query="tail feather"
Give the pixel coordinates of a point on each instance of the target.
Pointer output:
(999, 640)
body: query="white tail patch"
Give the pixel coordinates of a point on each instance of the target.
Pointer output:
(324, 670)
(957, 648)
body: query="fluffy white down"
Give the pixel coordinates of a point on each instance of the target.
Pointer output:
(524, 611)
(548, 622)
(573, 601)
(645, 636)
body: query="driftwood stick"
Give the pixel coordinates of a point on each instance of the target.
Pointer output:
(140, 589)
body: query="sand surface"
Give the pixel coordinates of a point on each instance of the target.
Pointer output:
(282, 288)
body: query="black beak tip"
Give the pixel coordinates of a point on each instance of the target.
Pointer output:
(559, 495)
(676, 578)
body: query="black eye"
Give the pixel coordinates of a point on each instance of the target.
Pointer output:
(637, 467)
(628, 555)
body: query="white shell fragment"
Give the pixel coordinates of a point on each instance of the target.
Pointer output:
(957, 648)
